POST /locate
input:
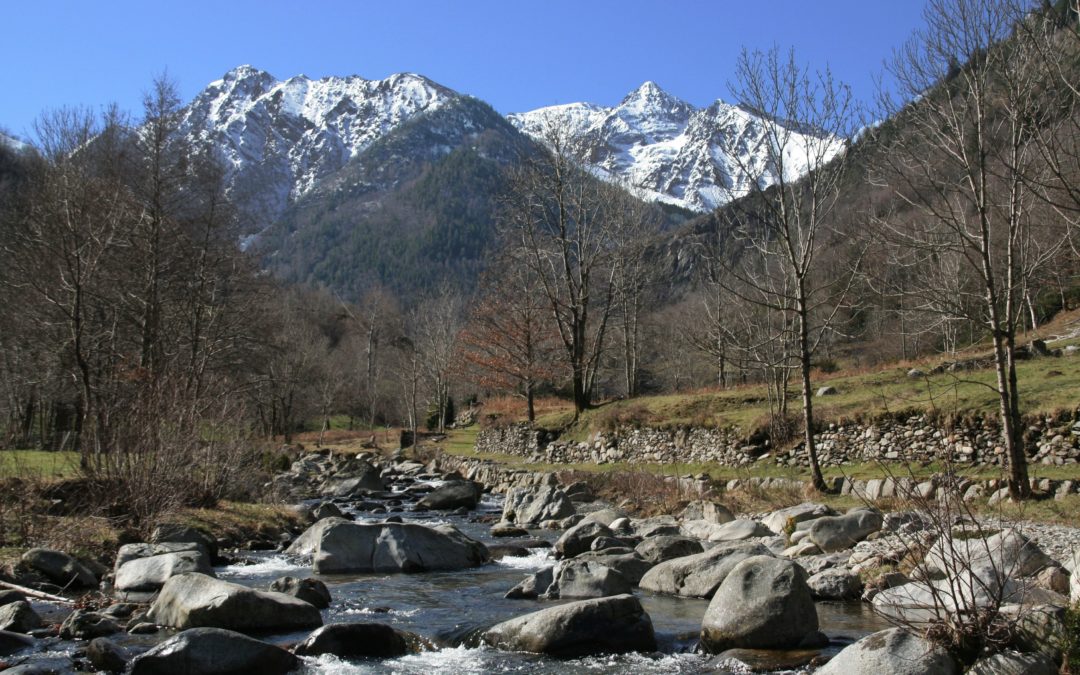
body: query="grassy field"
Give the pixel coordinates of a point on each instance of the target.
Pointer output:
(1046, 384)
(38, 463)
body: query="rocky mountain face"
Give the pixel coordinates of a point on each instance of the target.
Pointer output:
(279, 139)
(351, 182)
(674, 153)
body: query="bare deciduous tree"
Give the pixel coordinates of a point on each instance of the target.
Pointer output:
(967, 165)
(783, 225)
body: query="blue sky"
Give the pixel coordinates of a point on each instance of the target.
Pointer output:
(517, 55)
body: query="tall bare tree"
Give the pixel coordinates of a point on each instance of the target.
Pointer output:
(563, 224)
(965, 162)
(784, 225)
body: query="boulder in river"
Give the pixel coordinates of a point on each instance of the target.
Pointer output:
(1008, 553)
(309, 590)
(305, 544)
(764, 603)
(738, 530)
(698, 576)
(85, 625)
(629, 564)
(11, 642)
(893, 651)
(612, 625)
(451, 495)
(150, 574)
(783, 521)
(836, 533)
(195, 600)
(106, 655)
(213, 651)
(533, 586)
(60, 568)
(659, 549)
(579, 538)
(182, 534)
(359, 640)
(532, 505)
(584, 579)
(712, 512)
(835, 583)
(395, 547)
(19, 617)
(1014, 663)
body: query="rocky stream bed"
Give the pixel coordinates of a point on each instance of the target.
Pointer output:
(412, 568)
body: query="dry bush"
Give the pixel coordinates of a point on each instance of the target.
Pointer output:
(640, 493)
(752, 498)
(615, 417)
(168, 453)
(945, 548)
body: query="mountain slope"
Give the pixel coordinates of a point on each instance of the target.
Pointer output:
(279, 139)
(696, 158)
(412, 211)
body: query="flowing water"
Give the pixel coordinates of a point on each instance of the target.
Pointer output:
(447, 607)
(450, 607)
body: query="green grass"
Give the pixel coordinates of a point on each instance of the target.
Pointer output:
(1046, 385)
(40, 463)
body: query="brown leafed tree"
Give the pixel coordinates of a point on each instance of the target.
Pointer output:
(508, 344)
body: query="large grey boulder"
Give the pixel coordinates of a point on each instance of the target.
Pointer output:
(129, 552)
(364, 480)
(698, 576)
(451, 495)
(962, 593)
(305, 544)
(533, 586)
(710, 512)
(584, 579)
(1014, 663)
(738, 530)
(629, 564)
(579, 538)
(359, 640)
(783, 521)
(19, 617)
(617, 624)
(85, 625)
(836, 533)
(764, 603)
(309, 590)
(667, 547)
(196, 600)
(60, 568)
(1007, 553)
(175, 533)
(150, 574)
(835, 583)
(213, 651)
(893, 651)
(533, 505)
(395, 547)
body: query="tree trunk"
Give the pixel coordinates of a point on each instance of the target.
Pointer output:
(807, 396)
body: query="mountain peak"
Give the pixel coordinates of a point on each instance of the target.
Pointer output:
(650, 94)
(245, 72)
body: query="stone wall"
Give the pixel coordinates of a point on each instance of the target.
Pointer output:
(906, 438)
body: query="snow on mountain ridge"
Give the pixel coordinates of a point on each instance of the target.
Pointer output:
(696, 158)
(279, 138)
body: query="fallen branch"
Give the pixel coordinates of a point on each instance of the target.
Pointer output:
(41, 595)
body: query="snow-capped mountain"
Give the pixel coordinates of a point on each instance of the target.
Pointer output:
(279, 139)
(13, 144)
(696, 158)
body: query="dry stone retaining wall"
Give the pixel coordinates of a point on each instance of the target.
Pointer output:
(914, 438)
